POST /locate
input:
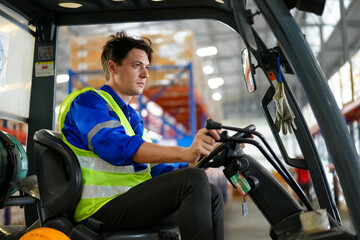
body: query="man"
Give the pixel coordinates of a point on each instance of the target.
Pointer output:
(129, 182)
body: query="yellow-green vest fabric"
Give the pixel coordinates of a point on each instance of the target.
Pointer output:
(101, 180)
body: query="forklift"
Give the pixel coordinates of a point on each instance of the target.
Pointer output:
(50, 203)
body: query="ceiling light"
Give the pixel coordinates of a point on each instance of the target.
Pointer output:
(62, 78)
(208, 69)
(219, 1)
(70, 4)
(216, 96)
(154, 109)
(144, 113)
(215, 82)
(206, 51)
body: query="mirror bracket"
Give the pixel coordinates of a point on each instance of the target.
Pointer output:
(250, 16)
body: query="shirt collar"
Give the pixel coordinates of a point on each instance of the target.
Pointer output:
(114, 95)
(129, 112)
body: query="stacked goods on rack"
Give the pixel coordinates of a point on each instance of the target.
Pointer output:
(16, 129)
(355, 67)
(175, 64)
(344, 85)
(85, 60)
(159, 123)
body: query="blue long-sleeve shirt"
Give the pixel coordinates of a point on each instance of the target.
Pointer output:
(111, 144)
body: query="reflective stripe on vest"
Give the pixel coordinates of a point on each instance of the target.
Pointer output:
(102, 191)
(100, 165)
(102, 181)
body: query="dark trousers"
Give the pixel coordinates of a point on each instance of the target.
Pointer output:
(185, 193)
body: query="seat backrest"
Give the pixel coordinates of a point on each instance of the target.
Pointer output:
(59, 176)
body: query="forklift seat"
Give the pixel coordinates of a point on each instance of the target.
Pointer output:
(60, 186)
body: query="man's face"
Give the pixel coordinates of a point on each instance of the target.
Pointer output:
(129, 79)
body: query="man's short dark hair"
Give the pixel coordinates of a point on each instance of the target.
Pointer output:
(118, 47)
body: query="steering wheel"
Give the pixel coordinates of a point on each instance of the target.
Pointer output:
(218, 155)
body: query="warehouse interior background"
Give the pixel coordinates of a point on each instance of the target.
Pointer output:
(220, 91)
(217, 74)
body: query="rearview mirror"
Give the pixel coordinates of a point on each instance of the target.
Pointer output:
(248, 72)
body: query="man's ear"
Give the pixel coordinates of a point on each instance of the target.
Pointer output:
(111, 66)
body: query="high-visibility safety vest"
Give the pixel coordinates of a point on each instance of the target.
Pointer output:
(101, 180)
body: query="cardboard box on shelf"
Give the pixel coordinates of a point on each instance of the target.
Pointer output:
(88, 42)
(85, 52)
(346, 84)
(335, 87)
(175, 50)
(95, 81)
(82, 60)
(172, 47)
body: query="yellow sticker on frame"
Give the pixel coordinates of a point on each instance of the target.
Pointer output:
(43, 69)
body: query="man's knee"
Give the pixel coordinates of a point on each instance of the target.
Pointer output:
(195, 174)
(194, 178)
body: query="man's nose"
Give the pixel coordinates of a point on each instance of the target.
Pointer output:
(144, 72)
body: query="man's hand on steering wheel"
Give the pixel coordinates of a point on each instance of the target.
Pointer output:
(202, 144)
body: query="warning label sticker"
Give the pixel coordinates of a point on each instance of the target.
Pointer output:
(46, 53)
(43, 69)
(271, 76)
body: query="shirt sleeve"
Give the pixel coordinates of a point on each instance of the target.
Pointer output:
(166, 167)
(90, 124)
